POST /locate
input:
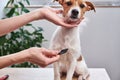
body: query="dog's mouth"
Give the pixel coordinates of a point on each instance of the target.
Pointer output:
(71, 19)
(74, 17)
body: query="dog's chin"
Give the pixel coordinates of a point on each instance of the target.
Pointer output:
(71, 20)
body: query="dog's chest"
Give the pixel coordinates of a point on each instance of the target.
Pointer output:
(64, 36)
(67, 38)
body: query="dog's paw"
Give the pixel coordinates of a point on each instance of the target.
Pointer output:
(68, 78)
(80, 78)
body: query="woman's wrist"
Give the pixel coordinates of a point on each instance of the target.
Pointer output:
(19, 57)
(22, 56)
(37, 14)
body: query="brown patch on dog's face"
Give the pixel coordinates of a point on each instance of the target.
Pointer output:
(70, 5)
(67, 5)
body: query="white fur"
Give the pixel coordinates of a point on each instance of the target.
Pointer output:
(68, 38)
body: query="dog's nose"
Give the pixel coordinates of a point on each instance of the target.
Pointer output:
(75, 12)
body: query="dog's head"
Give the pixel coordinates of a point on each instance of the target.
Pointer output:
(75, 9)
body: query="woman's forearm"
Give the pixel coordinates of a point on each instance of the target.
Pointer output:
(10, 24)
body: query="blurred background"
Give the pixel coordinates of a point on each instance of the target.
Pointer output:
(100, 39)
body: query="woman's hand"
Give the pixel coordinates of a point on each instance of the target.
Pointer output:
(52, 15)
(42, 56)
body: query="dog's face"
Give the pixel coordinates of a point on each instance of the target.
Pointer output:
(75, 9)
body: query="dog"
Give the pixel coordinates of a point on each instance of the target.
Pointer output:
(72, 62)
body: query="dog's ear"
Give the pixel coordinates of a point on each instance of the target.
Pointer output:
(90, 6)
(60, 1)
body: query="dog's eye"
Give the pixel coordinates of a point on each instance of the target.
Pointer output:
(82, 5)
(69, 3)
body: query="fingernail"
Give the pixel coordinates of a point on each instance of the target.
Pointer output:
(5, 77)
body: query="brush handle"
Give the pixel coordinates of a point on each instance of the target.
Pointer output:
(63, 51)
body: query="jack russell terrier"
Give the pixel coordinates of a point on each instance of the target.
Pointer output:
(72, 62)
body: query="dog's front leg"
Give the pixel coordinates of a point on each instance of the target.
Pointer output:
(71, 69)
(56, 71)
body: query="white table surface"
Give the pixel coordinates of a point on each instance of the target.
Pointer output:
(46, 73)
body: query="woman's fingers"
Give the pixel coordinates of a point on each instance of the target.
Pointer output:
(49, 52)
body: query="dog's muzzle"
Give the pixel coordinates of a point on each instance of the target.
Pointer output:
(74, 14)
